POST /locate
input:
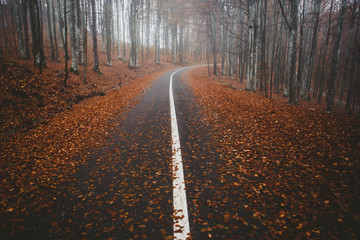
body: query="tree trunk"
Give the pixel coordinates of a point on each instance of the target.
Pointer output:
(157, 31)
(19, 27)
(73, 38)
(181, 44)
(118, 4)
(148, 5)
(133, 60)
(314, 41)
(174, 42)
(78, 28)
(291, 67)
(124, 30)
(65, 44)
(54, 29)
(354, 69)
(50, 25)
(26, 29)
(213, 42)
(38, 52)
(251, 72)
(345, 70)
(108, 16)
(223, 47)
(94, 36)
(85, 41)
(336, 53)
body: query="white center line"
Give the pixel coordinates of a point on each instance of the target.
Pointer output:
(181, 219)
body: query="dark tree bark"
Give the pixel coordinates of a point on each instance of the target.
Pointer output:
(38, 52)
(26, 28)
(19, 28)
(54, 29)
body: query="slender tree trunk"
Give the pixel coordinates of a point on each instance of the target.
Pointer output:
(142, 32)
(54, 29)
(291, 68)
(133, 60)
(263, 47)
(301, 55)
(345, 70)
(78, 27)
(26, 29)
(73, 38)
(223, 47)
(314, 41)
(66, 45)
(124, 30)
(325, 61)
(212, 28)
(61, 24)
(94, 36)
(354, 69)
(148, 5)
(157, 31)
(108, 16)
(118, 4)
(181, 44)
(174, 42)
(50, 25)
(251, 72)
(336, 53)
(12, 10)
(19, 27)
(85, 41)
(38, 52)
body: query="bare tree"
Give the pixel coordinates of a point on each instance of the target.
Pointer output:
(133, 15)
(37, 49)
(157, 30)
(108, 20)
(73, 38)
(252, 32)
(50, 26)
(336, 54)
(94, 36)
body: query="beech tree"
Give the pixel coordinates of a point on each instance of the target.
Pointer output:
(108, 21)
(37, 37)
(336, 54)
(94, 36)
(73, 37)
(133, 15)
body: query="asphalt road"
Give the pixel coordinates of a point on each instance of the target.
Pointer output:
(125, 189)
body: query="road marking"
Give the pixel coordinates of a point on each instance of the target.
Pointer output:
(181, 218)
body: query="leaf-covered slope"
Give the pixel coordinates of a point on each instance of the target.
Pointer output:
(28, 98)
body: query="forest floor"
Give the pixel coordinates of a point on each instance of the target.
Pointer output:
(299, 166)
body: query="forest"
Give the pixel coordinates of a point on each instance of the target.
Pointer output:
(306, 50)
(179, 119)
